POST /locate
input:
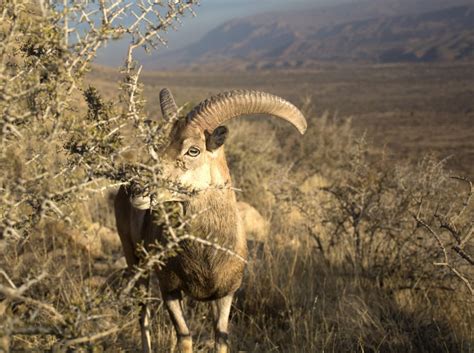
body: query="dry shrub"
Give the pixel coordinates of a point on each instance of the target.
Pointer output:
(61, 144)
(356, 255)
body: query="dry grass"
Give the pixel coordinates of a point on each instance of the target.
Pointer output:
(294, 297)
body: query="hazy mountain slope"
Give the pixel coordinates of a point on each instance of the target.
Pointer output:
(367, 31)
(357, 10)
(440, 35)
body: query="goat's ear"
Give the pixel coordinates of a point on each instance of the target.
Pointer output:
(217, 138)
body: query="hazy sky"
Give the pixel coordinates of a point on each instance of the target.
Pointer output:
(210, 14)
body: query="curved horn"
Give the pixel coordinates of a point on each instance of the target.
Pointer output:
(214, 111)
(169, 109)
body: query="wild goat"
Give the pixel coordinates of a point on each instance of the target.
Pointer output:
(195, 158)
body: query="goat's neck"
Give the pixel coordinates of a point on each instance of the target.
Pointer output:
(215, 215)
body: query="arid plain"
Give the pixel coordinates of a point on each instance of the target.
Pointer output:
(405, 110)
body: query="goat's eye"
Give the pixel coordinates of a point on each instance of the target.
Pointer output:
(193, 151)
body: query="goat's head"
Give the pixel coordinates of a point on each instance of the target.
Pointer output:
(195, 156)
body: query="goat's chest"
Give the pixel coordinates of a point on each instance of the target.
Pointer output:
(205, 272)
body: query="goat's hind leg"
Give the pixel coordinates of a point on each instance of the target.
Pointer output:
(145, 320)
(221, 310)
(173, 302)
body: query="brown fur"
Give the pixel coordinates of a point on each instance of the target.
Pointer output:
(204, 272)
(208, 272)
(201, 271)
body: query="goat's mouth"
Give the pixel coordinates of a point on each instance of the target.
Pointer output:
(163, 196)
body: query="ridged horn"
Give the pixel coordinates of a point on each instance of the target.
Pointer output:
(214, 111)
(167, 104)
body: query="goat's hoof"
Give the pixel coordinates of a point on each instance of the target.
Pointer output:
(222, 348)
(185, 345)
(222, 342)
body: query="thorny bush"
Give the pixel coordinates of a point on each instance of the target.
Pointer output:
(60, 143)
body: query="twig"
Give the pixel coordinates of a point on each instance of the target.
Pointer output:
(63, 345)
(16, 294)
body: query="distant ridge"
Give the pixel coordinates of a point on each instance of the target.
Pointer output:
(365, 31)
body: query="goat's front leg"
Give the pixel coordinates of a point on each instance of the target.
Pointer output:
(145, 320)
(221, 310)
(173, 302)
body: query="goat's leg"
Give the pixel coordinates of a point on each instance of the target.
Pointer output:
(145, 320)
(132, 261)
(174, 305)
(221, 310)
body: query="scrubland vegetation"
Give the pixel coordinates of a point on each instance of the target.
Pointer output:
(364, 253)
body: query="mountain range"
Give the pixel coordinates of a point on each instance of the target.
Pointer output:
(368, 31)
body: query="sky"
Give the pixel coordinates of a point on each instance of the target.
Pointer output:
(210, 14)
